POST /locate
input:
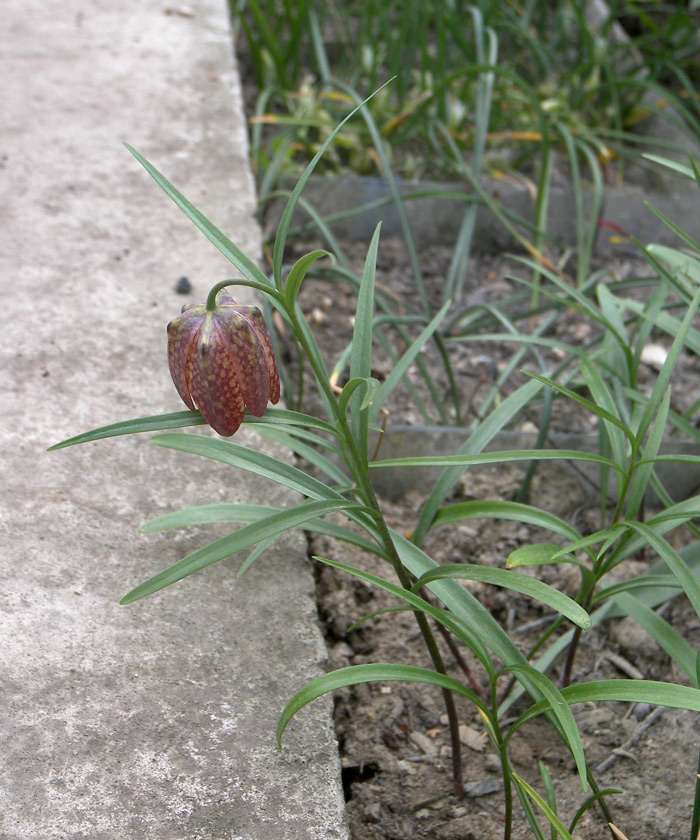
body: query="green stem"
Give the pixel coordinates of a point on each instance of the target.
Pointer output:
(214, 291)
(358, 466)
(507, 795)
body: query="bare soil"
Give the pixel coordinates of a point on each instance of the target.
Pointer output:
(393, 737)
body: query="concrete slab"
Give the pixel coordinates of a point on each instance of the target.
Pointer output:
(155, 720)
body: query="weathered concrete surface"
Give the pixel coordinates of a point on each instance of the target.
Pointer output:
(154, 720)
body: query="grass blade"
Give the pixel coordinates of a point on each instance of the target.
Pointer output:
(356, 674)
(514, 581)
(499, 457)
(248, 459)
(264, 529)
(232, 253)
(669, 639)
(361, 353)
(154, 423)
(482, 435)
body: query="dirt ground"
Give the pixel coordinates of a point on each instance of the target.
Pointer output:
(393, 737)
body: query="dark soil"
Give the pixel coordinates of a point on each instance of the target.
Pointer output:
(393, 737)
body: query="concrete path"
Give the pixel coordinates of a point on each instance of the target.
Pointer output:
(154, 720)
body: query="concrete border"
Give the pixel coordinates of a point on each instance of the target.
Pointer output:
(155, 720)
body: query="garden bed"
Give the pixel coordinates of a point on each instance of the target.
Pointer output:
(393, 737)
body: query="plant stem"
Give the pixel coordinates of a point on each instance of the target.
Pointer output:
(428, 637)
(573, 647)
(360, 471)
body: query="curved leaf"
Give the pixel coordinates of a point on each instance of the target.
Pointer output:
(669, 639)
(626, 691)
(561, 712)
(355, 674)
(361, 353)
(248, 459)
(673, 560)
(286, 417)
(515, 511)
(478, 440)
(552, 818)
(498, 457)
(211, 514)
(515, 581)
(464, 632)
(154, 423)
(298, 272)
(232, 253)
(538, 554)
(249, 535)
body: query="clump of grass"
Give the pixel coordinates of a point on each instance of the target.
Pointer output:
(564, 72)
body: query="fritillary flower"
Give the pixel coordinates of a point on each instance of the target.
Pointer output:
(222, 362)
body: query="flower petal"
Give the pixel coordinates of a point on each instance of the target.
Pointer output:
(255, 318)
(247, 358)
(214, 382)
(182, 344)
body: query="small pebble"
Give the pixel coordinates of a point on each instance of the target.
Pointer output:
(423, 742)
(641, 710)
(492, 763)
(183, 286)
(373, 813)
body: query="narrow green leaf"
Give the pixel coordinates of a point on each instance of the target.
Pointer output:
(497, 458)
(550, 792)
(671, 164)
(479, 439)
(599, 794)
(667, 323)
(538, 554)
(642, 475)
(552, 818)
(663, 379)
(515, 511)
(399, 369)
(561, 712)
(301, 433)
(285, 417)
(253, 555)
(666, 583)
(466, 608)
(669, 639)
(232, 253)
(461, 631)
(606, 408)
(286, 220)
(361, 353)
(270, 526)
(330, 469)
(675, 563)
(211, 514)
(207, 515)
(623, 690)
(356, 674)
(587, 404)
(155, 423)
(377, 613)
(514, 581)
(298, 273)
(368, 385)
(248, 459)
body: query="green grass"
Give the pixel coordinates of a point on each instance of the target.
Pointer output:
(557, 75)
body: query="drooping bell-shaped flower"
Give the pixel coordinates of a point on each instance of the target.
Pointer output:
(221, 361)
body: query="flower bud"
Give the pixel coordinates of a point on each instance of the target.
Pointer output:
(222, 361)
